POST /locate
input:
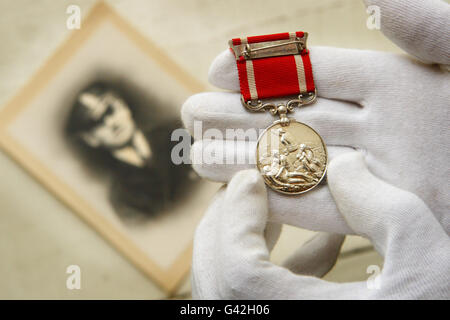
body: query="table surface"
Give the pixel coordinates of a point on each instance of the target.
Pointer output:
(39, 236)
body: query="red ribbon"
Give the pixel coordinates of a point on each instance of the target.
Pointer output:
(274, 76)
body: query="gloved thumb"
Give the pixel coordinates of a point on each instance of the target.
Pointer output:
(243, 257)
(385, 214)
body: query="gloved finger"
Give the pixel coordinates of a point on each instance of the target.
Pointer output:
(389, 216)
(220, 112)
(343, 74)
(204, 240)
(314, 210)
(203, 279)
(245, 269)
(419, 27)
(317, 256)
(219, 161)
(400, 225)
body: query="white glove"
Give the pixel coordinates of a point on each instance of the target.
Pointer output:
(231, 259)
(391, 107)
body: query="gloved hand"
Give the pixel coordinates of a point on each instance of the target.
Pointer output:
(231, 257)
(392, 108)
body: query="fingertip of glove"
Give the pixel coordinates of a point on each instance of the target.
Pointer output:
(223, 71)
(187, 112)
(345, 166)
(193, 108)
(247, 182)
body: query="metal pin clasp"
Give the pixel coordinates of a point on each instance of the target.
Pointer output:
(266, 49)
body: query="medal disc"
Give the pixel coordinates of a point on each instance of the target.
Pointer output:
(292, 158)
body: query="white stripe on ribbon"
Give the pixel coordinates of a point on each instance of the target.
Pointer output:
(300, 73)
(251, 80)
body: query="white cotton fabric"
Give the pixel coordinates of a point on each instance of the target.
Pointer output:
(385, 120)
(231, 259)
(391, 107)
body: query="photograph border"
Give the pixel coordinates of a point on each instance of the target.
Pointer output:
(170, 279)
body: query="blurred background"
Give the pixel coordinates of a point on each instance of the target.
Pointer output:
(39, 236)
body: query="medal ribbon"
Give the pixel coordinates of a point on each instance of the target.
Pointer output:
(271, 77)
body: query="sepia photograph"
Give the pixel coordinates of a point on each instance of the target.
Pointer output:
(98, 133)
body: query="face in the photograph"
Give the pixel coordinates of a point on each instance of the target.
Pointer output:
(115, 125)
(103, 120)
